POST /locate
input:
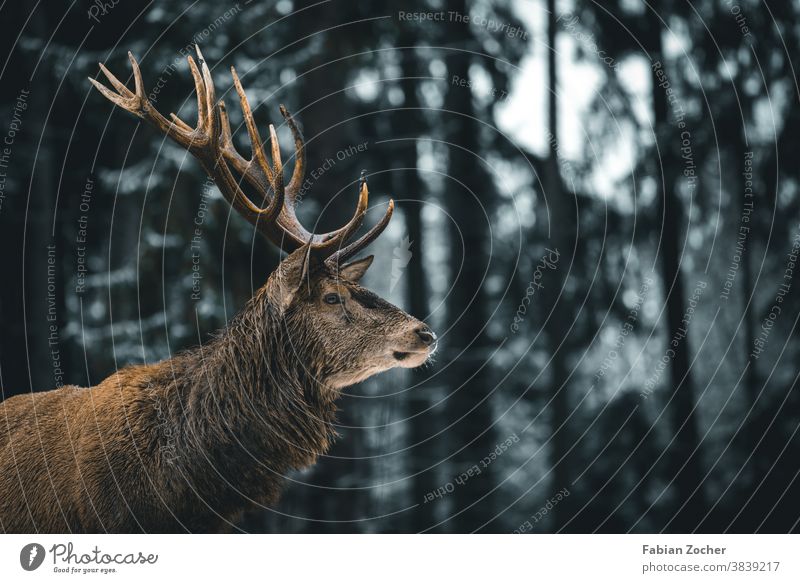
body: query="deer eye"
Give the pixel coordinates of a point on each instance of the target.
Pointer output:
(333, 299)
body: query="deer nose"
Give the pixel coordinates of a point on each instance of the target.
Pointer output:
(426, 335)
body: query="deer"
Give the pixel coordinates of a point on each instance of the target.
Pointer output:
(190, 443)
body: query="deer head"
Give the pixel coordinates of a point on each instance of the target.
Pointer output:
(350, 332)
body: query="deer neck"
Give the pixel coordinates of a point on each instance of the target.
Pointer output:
(250, 402)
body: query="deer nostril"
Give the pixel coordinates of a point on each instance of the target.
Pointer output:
(426, 335)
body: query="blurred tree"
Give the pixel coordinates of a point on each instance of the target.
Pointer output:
(562, 238)
(408, 126)
(686, 450)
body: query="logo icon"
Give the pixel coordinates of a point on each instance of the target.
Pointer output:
(31, 556)
(400, 258)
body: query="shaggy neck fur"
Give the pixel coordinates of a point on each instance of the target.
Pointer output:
(248, 406)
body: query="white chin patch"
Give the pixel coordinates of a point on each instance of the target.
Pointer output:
(341, 380)
(396, 359)
(409, 359)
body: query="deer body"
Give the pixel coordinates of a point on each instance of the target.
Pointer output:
(182, 445)
(187, 444)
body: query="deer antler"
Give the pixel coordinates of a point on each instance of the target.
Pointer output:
(212, 144)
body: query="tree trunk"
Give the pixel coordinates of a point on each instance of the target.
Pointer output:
(423, 422)
(469, 417)
(685, 456)
(561, 225)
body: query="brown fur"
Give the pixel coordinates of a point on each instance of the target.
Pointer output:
(188, 443)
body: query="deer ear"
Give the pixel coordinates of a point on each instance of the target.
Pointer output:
(292, 274)
(355, 270)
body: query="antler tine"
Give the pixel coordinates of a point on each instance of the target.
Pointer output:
(205, 133)
(299, 173)
(118, 85)
(210, 92)
(252, 130)
(276, 158)
(348, 251)
(125, 98)
(261, 218)
(232, 155)
(137, 79)
(114, 98)
(226, 143)
(356, 246)
(180, 123)
(199, 89)
(335, 239)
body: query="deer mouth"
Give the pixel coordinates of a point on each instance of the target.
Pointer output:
(412, 358)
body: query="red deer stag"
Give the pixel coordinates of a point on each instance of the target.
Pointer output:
(189, 443)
